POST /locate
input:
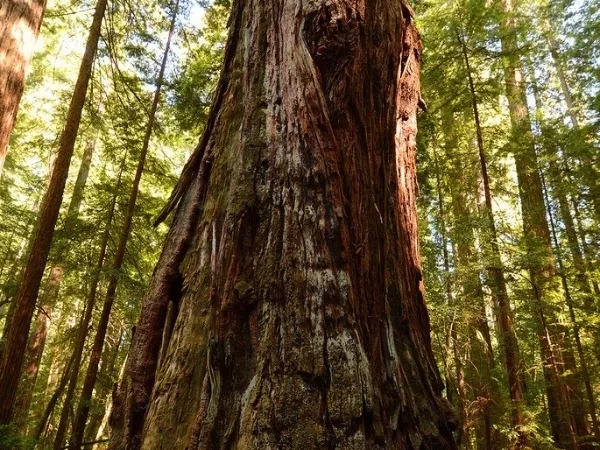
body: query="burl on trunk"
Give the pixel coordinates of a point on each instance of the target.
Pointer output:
(287, 308)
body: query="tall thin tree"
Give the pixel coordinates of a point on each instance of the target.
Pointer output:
(496, 279)
(540, 259)
(16, 343)
(92, 370)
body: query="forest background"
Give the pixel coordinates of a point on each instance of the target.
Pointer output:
(514, 362)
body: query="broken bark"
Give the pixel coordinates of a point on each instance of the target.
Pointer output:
(293, 256)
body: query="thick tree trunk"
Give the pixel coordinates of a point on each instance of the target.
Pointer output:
(293, 256)
(92, 370)
(496, 281)
(12, 360)
(20, 22)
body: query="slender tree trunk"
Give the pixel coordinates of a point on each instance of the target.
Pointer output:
(540, 262)
(588, 255)
(481, 378)
(571, 109)
(37, 343)
(12, 361)
(20, 22)
(92, 371)
(80, 183)
(87, 319)
(574, 376)
(496, 281)
(293, 255)
(588, 166)
(43, 423)
(582, 357)
(103, 388)
(452, 344)
(583, 280)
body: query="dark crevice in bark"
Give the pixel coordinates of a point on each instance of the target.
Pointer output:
(282, 326)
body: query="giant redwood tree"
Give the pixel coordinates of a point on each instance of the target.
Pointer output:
(287, 310)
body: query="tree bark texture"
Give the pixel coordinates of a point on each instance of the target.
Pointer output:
(20, 22)
(293, 256)
(16, 343)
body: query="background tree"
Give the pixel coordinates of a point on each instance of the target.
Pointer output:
(21, 22)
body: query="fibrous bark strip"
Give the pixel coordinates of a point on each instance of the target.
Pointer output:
(293, 256)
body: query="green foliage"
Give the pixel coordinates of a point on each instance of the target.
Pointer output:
(195, 84)
(451, 204)
(114, 119)
(10, 439)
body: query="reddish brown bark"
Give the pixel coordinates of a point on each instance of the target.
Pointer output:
(20, 22)
(293, 256)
